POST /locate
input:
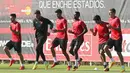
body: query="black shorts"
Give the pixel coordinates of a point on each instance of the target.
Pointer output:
(116, 43)
(15, 45)
(101, 47)
(76, 43)
(61, 42)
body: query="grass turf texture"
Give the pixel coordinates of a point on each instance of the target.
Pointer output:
(4, 68)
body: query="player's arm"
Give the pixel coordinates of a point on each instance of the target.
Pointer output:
(115, 28)
(109, 31)
(84, 31)
(118, 26)
(107, 34)
(17, 31)
(64, 25)
(51, 24)
(94, 31)
(71, 31)
(34, 25)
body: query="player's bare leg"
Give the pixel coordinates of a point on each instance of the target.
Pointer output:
(68, 59)
(9, 55)
(21, 61)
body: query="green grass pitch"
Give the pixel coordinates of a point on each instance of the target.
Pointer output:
(4, 68)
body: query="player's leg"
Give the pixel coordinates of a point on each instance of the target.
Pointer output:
(77, 59)
(41, 43)
(55, 43)
(107, 51)
(102, 55)
(7, 47)
(121, 61)
(17, 47)
(37, 54)
(21, 61)
(63, 45)
(118, 49)
(109, 45)
(103, 58)
(72, 45)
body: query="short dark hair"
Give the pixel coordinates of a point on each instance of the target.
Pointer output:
(77, 13)
(13, 15)
(113, 10)
(97, 17)
(58, 11)
(37, 12)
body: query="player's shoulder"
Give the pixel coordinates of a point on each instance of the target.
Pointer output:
(96, 25)
(34, 19)
(64, 19)
(117, 18)
(18, 23)
(105, 23)
(81, 21)
(43, 18)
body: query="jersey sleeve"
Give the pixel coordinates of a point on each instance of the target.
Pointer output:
(65, 23)
(48, 21)
(95, 28)
(83, 24)
(117, 22)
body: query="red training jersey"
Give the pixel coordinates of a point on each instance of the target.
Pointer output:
(78, 27)
(102, 29)
(60, 25)
(115, 22)
(16, 27)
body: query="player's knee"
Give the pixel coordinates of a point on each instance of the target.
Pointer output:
(5, 48)
(41, 51)
(75, 51)
(19, 54)
(64, 52)
(119, 53)
(105, 48)
(52, 48)
(102, 53)
(37, 49)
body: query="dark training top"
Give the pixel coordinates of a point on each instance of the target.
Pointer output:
(41, 26)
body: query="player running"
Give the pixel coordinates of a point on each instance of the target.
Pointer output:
(61, 38)
(15, 41)
(116, 37)
(79, 29)
(41, 31)
(103, 35)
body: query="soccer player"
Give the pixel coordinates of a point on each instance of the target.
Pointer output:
(41, 31)
(103, 35)
(79, 29)
(15, 41)
(116, 37)
(61, 38)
